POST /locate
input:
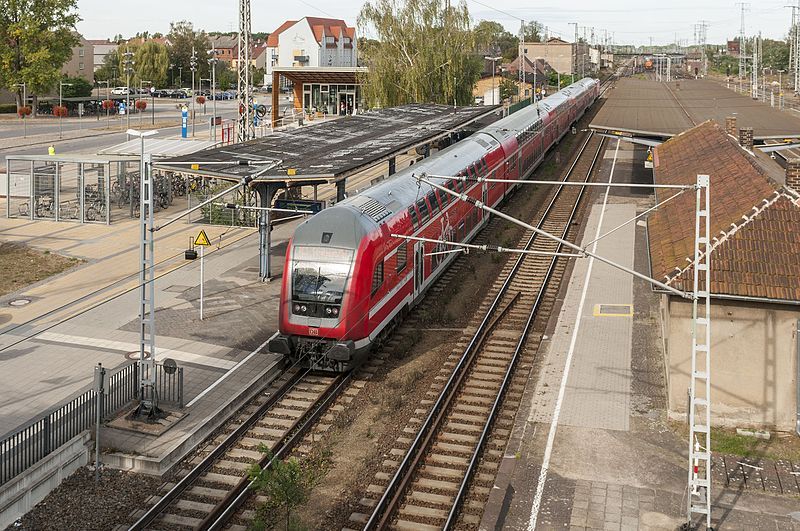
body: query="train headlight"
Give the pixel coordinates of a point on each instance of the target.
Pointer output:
(296, 308)
(303, 308)
(328, 310)
(335, 311)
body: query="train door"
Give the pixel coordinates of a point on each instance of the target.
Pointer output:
(419, 268)
(484, 198)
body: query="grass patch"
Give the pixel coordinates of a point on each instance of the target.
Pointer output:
(22, 266)
(726, 441)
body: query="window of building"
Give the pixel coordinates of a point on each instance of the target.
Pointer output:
(402, 256)
(80, 66)
(377, 277)
(80, 52)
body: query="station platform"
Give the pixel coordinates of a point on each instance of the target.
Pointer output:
(665, 109)
(89, 314)
(600, 432)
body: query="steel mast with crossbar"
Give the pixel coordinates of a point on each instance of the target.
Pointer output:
(246, 127)
(699, 498)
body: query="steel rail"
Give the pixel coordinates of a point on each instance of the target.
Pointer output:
(227, 507)
(391, 497)
(484, 437)
(215, 454)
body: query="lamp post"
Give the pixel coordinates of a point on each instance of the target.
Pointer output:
(180, 76)
(494, 70)
(193, 66)
(780, 88)
(128, 62)
(213, 62)
(61, 86)
(141, 111)
(24, 103)
(108, 111)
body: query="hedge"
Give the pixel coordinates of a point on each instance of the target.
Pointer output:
(8, 108)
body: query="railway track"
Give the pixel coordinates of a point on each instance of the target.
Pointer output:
(433, 478)
(214, 485)
(211, 488)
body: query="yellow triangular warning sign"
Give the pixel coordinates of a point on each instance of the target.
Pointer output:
(202, 239)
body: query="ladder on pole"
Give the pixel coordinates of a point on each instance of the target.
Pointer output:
(148, 404)
(699, 485)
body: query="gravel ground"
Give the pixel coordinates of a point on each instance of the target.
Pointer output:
(80, 504)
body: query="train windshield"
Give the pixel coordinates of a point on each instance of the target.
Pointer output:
(321, 279)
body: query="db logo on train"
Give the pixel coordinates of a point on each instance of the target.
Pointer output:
(313, 331)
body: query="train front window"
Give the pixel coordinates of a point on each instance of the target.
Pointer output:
(320, 274)
(319, 282)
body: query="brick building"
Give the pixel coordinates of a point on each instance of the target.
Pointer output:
(755, 275)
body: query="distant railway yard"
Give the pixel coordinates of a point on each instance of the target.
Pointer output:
(571, 311)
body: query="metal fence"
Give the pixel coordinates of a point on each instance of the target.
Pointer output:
(25, 446)
(39, 437)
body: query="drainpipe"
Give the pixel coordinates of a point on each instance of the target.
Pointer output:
(797, 374)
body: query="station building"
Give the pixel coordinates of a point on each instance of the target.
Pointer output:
(755, 276)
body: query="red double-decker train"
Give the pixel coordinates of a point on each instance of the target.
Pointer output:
(346, 279)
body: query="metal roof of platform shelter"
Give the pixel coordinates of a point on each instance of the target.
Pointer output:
(665, 109)
(333, 150)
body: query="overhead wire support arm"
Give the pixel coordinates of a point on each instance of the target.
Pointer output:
(465, 247)
(423, 179)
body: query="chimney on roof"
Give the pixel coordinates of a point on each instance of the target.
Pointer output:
(730, 125)
(746, 138)
(793, 174)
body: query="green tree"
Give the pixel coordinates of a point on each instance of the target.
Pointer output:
(776, 54)
(152, 62)
(109, 71)
(492, 35)
(78, 87)
(508, 88)
(183, 38)
(424, 52)
(119, 56)
(226, 78)
(288, 484)
(37, 37)
(532, 31)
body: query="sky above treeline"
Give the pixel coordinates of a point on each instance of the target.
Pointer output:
(629, 21)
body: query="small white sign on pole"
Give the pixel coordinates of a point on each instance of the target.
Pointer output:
(202, 241)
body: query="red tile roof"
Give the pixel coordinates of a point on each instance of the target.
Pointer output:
(272, 39)
(755, 224)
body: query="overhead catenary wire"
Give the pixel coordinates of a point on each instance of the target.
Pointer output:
(481, 205)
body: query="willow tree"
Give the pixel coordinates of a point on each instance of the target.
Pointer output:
(152, 62)
(423, 52)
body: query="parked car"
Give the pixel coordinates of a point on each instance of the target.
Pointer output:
(119, 91)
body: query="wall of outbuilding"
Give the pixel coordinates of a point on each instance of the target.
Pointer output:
(753, 361)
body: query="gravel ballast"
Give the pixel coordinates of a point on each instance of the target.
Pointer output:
(80, 504)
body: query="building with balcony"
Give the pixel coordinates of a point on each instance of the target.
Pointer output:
(312, 42)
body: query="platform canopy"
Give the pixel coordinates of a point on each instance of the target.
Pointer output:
(332, 150)
(158, 147)
(653, 108)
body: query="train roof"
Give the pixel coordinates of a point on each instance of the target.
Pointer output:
(517, 122)
(389, 197)
(396, 193)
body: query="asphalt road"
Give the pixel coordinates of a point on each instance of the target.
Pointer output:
(40, 131)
